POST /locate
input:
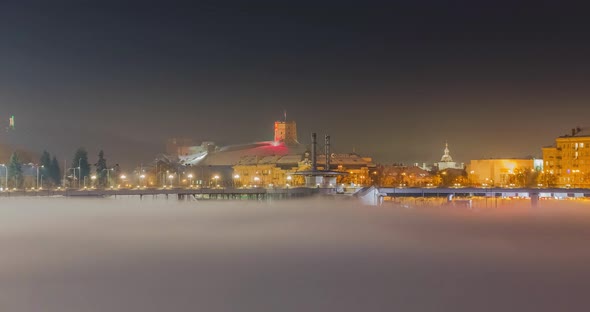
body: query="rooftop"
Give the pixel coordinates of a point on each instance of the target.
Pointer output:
(233, 154)
(577, 132)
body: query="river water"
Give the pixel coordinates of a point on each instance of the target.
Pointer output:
(74, 255)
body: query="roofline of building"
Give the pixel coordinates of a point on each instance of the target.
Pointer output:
(573, 137)
(508, 158)
(325, 173)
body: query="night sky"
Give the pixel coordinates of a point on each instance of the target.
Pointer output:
(392, 80)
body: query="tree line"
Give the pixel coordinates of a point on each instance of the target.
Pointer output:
(102, 171)
(51, 174)
(49, 171)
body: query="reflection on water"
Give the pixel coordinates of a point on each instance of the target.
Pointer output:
(156, 255)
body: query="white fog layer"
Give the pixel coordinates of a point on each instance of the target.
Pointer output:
(127, 255)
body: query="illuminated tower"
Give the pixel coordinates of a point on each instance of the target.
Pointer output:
(286, 131)
(447, 156)
(446, 161)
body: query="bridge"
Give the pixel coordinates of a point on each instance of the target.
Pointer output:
(472, 191)
(180, 193)
(369, 195)
(375, 195)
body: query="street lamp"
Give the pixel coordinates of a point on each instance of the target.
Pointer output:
(93, 178)
(141, 177)
(171, 177)
(37, 181)
(236, 179)
(256, 180)
(5, 171)
(109, 175)
(289, 178)
(74, 176)
(79, 171)
(216, 178)
(190, 179)
(123, 177)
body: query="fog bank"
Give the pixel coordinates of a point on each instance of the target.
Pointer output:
(304, 255)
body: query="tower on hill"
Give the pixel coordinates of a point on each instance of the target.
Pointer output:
(286, 131)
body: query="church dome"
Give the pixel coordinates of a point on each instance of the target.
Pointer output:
(446, 157)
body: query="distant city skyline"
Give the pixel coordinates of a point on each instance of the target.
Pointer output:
(391, 80)
(12, 138)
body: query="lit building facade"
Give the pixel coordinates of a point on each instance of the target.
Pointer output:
(268, 163)
(507, 172)
(268, 171)
(567, 162)
(279, 171)
(360, 170)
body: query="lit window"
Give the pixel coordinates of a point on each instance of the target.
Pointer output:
(581, 145)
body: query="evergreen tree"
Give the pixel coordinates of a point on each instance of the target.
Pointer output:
(55, 171)
(15, 171)
(101, 169)
(45, 163)
(80, 161)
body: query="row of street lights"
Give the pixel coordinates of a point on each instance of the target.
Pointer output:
(36, 181)
(215, 179)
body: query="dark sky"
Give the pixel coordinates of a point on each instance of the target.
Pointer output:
(393, 80)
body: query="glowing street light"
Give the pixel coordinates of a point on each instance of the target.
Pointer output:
(236, 180)
(123, 178)
(42, 166)
(93, 178)
(289, 178)
(190, 179)
(171, 177)
(108, 170)
(6, 171)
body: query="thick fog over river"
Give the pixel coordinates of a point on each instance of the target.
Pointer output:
(127, 255)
